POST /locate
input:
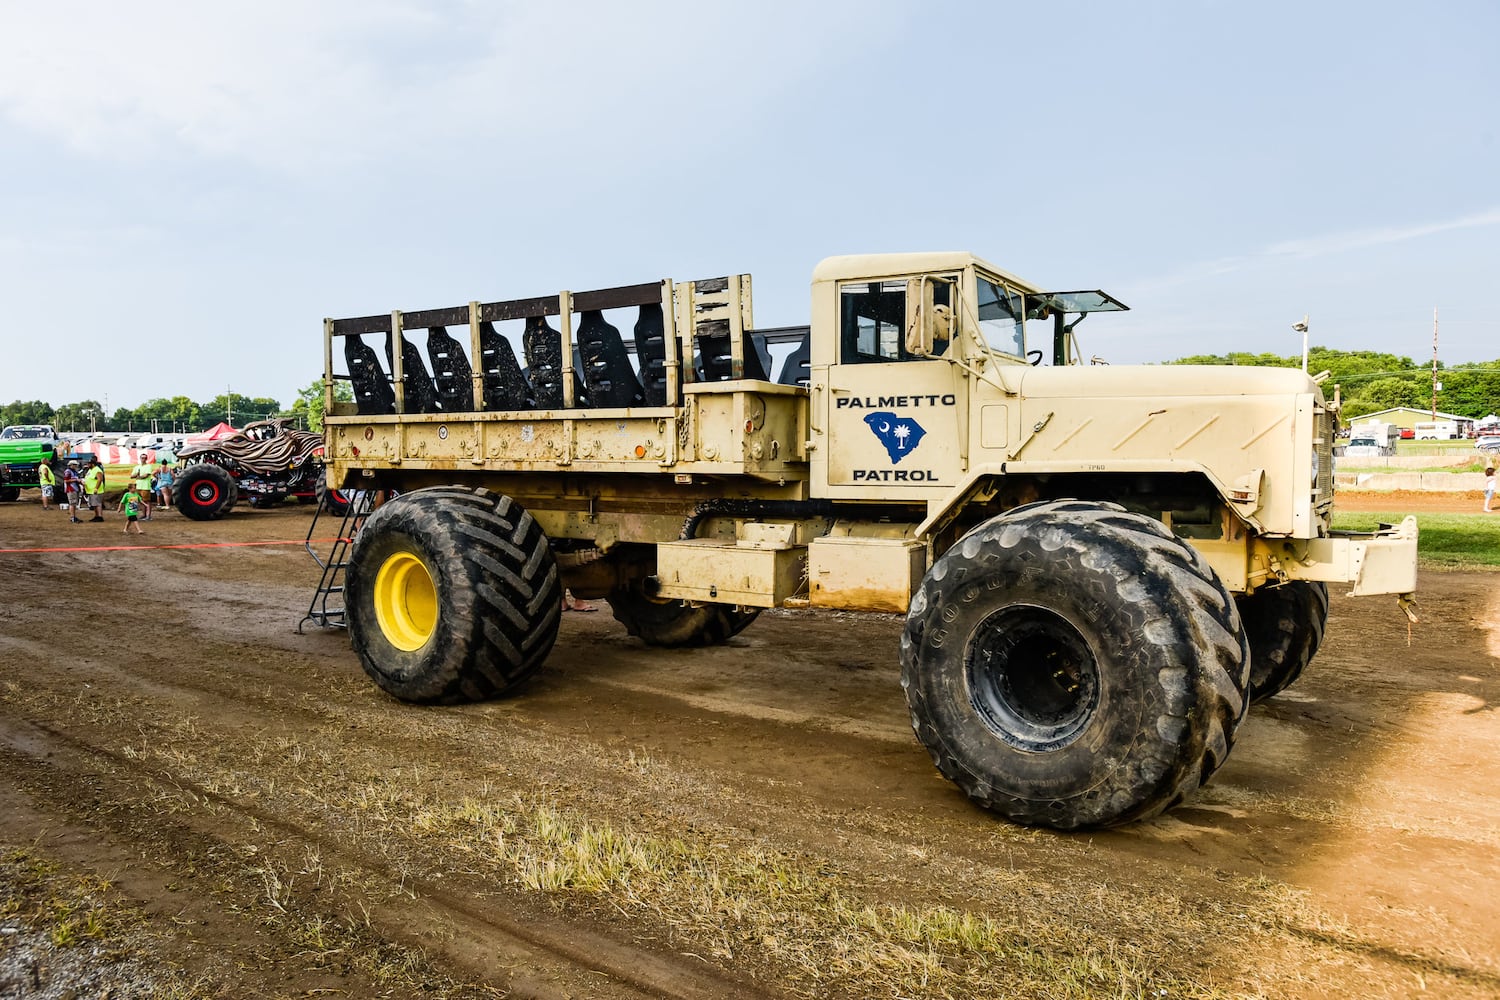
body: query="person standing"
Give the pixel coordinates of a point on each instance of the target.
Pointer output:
(140, 480)
(164, 481)
(48, 482)
(73, 489)
(1489, 488)
(93, 488)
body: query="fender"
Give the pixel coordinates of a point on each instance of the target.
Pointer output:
(980, 477)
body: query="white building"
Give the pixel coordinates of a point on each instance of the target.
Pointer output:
(1407, 418)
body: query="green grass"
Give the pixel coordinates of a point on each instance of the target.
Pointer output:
(1428, 449)
(116, 478)
(1457, 447)
(1347, 465)
(1448, 541)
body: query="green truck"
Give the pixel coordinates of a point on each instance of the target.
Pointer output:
(22, 448)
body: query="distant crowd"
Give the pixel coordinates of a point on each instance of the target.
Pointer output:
(82, 491)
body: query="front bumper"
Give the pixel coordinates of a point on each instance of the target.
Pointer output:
(1377, 562)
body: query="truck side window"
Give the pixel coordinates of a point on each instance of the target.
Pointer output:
(1000, 318)
(872, 319)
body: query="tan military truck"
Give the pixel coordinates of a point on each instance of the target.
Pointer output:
(1101, 566)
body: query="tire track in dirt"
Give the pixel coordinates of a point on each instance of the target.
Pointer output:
(785, 765)
(868, 834)
(581, 731)
(844, 764)
(741, 767)
(483, 941)
(259, 706)
(205, 934)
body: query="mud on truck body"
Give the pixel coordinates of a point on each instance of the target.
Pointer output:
(1100, 566)
(265, 461)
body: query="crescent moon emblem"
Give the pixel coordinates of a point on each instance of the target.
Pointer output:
(885, 427)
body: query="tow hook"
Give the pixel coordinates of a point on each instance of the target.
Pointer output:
(1409, 608)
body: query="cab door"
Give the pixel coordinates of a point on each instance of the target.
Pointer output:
(893, 419)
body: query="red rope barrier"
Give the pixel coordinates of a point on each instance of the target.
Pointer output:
(198, 545)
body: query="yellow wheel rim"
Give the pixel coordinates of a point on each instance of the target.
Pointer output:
(406, 603)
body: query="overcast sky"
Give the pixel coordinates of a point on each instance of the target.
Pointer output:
(189, 188)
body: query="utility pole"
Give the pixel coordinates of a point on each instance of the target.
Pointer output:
(229, 404)
(1436, 385)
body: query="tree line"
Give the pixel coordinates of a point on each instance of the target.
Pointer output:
(174, 415)
(1370, 381)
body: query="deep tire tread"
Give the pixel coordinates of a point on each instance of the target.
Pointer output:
(499, 594)
(1285, 625)
(1192, 629)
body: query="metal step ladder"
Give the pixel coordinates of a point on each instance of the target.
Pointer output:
(327, 607)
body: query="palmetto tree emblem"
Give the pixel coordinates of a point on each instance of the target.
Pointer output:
(899, 435)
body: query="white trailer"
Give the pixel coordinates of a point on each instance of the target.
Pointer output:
(1374, 439)
(1436, 430)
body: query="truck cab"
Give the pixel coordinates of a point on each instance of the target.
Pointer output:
(943, 379)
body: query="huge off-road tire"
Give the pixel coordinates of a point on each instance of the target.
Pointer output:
(675, 623)
(1071, 664)
(9, 493)
(1285, 627)
(451, 595)
(204, 491)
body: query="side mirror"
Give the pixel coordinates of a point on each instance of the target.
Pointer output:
(919, 318)
(929, 326)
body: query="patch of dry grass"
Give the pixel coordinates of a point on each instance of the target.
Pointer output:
(800, 919)
(741, 903)
(70, 910)
(804, 921)
(75, 930)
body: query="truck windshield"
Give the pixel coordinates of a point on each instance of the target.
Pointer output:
(24, 432)
(1000, 318)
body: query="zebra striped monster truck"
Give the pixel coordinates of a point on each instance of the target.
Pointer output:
(265, 461)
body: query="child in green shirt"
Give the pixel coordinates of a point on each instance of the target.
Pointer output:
(130, 503)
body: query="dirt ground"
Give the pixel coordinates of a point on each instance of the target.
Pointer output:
(1412, 501)
(268, 823)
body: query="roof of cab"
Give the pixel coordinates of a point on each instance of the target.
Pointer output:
(876, 265)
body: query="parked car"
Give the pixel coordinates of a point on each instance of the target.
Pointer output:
(1489, 442)
(1408, 433)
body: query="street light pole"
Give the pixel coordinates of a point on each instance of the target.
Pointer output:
(1436, 385)
(1302, 329)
